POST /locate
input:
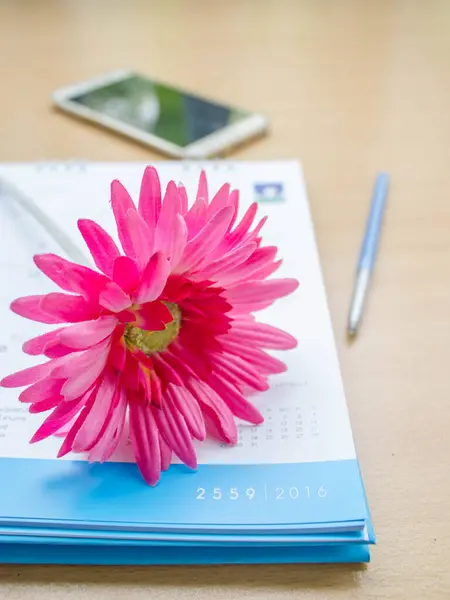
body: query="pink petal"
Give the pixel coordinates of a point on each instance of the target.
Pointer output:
(63, 413)
(45, 404)
(117, 356)
(37, 345)
(101, 245)
(153, 280)
(66, 446)
(188, 407)
(259, 259)
(42, 390)
(113, 298)
(91, 428)
(80, 383)
(178, 241)
(145, 442)
(110, 438)
(121, 203)
(239, 406)
(141, 238)
(30, 307)
(169, 210)
(202, 190)
(82, 369)
(206, 240)
(63, 308)
(174, 430)
(150, 197)
(156, 391)
(219, 201)
(238, 234)
(261, 291)
(233, 200)
(258, 358)
(71, 277)
(195, 218)
(153, 316)
(88, 334)
(184, 203)
(57, 350)
(125, 273)
(229, 261)
(216, 409)
(165, 371)
(238, 371)
(267, 270)
(28, 376)
(166, 454)
(262, 335)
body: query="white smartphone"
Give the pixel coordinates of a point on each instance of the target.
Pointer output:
(173, 121)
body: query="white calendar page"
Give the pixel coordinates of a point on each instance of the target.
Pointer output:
(305, 411)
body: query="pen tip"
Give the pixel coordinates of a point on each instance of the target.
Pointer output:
(351, 333)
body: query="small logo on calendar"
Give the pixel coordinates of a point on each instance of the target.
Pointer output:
(270, 191)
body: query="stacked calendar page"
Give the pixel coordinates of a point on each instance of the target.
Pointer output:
(290, 490)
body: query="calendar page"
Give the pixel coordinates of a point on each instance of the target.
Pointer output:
(305, 414)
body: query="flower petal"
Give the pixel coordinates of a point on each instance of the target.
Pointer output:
(239, 406)
(258, 358)
(166, 454)
(88, 334)
(110, 438)
(184, 202)
(71, 277)
(101, 245)
(121, 203)
(238, 372)
(243, 226)
(145, 441)
(164, 234)
(141, 238)
(189, 408)
(29, 307)
(261, 334)
(261, 291)
(63, 308)
(178, 241)
(28, 376)
(195, 218)
(219, 201)
(125, 273)
(206, 240)
(175, 432)
(216, 409)
(95, 421)
(150, 197)
(63, 413)
(202, 190)
(153, 279)
(153, 316)
(41, 390)
(37, 345)
(113, 298)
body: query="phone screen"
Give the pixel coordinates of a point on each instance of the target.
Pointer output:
(166, 112)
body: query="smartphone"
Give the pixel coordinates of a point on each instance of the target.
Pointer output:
(168, 119)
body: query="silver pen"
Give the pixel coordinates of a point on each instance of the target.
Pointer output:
(368, 253)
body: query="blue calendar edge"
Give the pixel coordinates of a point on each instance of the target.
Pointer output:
(122, 555)
(72, 493)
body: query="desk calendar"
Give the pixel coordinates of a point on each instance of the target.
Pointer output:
(296, 475)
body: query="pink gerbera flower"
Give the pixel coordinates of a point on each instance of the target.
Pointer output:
(162, 337)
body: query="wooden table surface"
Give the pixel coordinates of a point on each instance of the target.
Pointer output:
(351, 87)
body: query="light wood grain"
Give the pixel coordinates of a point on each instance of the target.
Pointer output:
(350, 87)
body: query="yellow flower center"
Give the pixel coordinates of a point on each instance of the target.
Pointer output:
(149, 342)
